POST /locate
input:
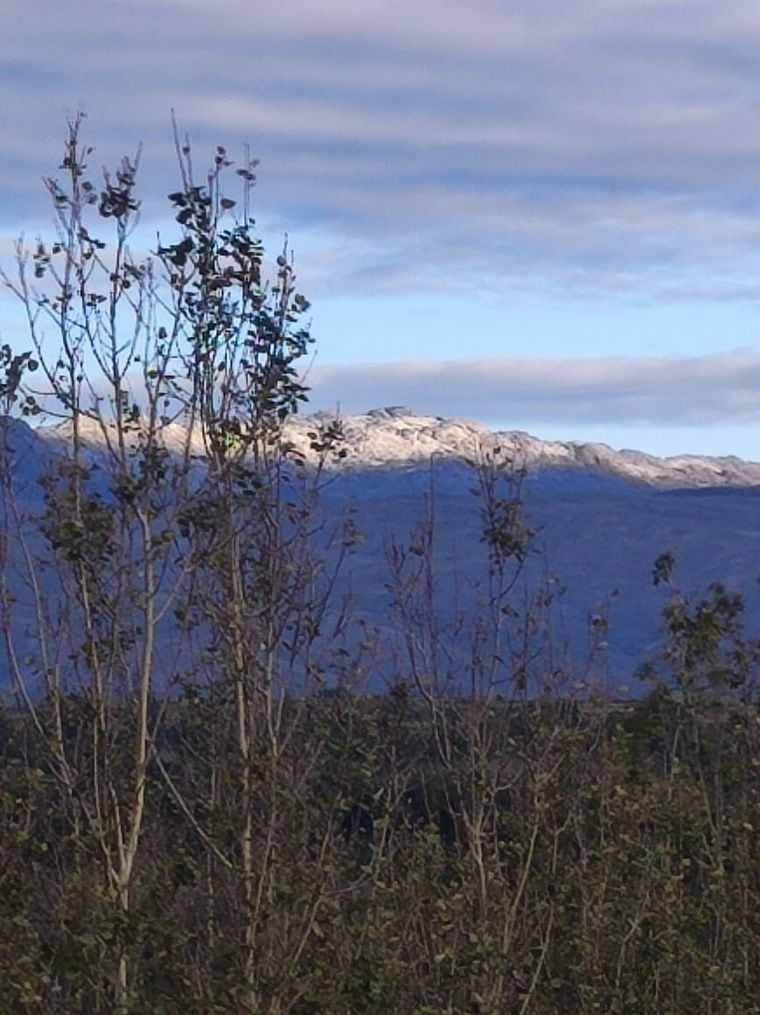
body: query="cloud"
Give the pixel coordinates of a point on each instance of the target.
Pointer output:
(598, 148)
(695, 391)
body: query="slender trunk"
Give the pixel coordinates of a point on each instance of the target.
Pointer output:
(128, 853)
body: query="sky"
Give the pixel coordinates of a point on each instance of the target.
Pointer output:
(540, 214)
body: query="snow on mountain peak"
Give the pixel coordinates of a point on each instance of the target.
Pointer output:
(396, 436)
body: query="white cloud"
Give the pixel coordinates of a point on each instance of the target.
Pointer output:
(694, 391)
(609, 136)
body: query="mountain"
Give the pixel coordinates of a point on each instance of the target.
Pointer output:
(399, 436)
(600, 518)
(396, 436)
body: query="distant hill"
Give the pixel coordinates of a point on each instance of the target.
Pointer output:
(396, 436)
(600, 518)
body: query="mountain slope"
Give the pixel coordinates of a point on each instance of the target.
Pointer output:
(600, 519)
(397, 436)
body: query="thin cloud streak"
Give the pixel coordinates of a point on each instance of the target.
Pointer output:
(695, 391)
(620, 139)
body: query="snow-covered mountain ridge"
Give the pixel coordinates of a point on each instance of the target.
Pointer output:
(601, 518)
(397, 436)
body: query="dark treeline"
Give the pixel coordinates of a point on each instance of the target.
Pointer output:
(201, 808)
(407, 858)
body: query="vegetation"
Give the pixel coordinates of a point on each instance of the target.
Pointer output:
(201, 807)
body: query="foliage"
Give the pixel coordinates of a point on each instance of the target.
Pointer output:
(583, 866)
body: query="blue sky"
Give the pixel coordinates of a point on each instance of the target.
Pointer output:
(543, 215)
